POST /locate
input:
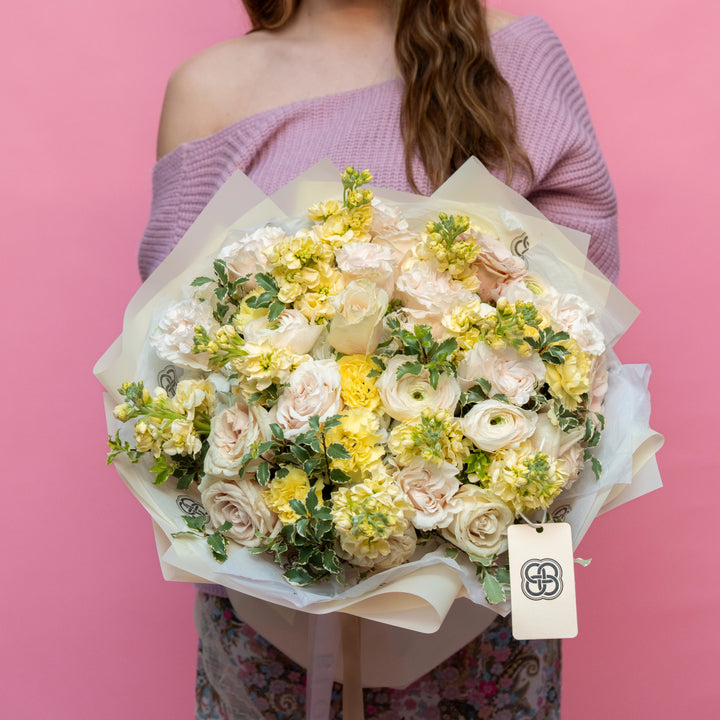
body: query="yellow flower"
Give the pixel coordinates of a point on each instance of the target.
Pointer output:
(367, 516)
(360, 433)
(358, 390)
(294, 486)
(244, 314)
(322, 211)
(436, 437)
(571, 380)
(264, 365)
(525, 479)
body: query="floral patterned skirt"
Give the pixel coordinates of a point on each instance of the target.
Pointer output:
(241, 676)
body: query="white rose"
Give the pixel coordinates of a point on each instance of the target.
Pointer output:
(357, 325)
(242, 504)
(493, 425)
(407, 397)
(245, 255)
(524, 289)
(290, 330)
(232, 433)
(367, 260)
(174, 337)
(479, 527)
(314, 388)
(508, 372)
(430, 489)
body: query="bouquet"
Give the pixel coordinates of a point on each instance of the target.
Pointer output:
(331, 406)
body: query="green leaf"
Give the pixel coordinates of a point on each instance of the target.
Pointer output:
(493, 590)
(484, 561)
(263, 473)
(336, 451)
(225, 526)
(218, 546)
(503, 575)
(338, 476)
(195, 523)
(277, 431)
(199, 281)
(409, 368)
(297, 506)
(452, 552)
(298, 576)
(267, 282)
(220, 268)
(583, 562)
(311, 500)
(330, 561)
(221, 292)
(276, 308)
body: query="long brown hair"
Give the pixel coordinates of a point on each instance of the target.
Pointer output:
(455, 103)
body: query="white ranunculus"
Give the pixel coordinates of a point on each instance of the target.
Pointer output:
(407, 397)
(290, 330)
(241, 503)
(430, 489)
(175, 334)
(314, 388)
(367, 260)
(508, 372)
(479, 526)
(233, 432)
(244, 256)
(357, 325)
(493, 425)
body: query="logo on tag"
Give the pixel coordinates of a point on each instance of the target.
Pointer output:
(541, 579)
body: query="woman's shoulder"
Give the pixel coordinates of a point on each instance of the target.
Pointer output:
(211, 89)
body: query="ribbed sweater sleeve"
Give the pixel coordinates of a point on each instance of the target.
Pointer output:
(572, 184)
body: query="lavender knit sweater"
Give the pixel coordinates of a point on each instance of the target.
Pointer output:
(361, 128)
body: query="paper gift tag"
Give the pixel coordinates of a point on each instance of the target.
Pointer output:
(542, 582)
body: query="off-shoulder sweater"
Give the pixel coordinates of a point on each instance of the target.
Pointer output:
(362, 128)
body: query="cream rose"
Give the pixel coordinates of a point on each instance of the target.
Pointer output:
(174, 337)
(407, 397)
(430, 489)
(574, 315)
(242, 504)
(493, 425)
(367, 260)
(290, 330)
(495, 266)
(479, 527)
(508, 372)
(427, 294)
(357, 325)
(314, 388)
(390, 229)
(245, 256)
(232, 433)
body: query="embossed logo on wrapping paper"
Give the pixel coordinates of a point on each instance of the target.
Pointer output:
(559, 514)
(520, 244)
(190, 506)
(168, 379)
(541, 579)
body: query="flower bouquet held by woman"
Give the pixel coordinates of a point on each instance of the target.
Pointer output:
(346, 410)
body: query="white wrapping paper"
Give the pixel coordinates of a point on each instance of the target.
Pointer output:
(415, 615)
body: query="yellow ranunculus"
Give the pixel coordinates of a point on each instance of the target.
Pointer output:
(358, 390)
(360, 433)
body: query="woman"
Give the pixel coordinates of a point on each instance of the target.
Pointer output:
(408, 89)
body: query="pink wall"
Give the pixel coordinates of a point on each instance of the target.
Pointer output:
(88, 628)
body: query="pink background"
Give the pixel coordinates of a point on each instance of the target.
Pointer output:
(88, 627)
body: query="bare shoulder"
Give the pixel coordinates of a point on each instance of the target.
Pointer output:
(207, 91)
(498, 19)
